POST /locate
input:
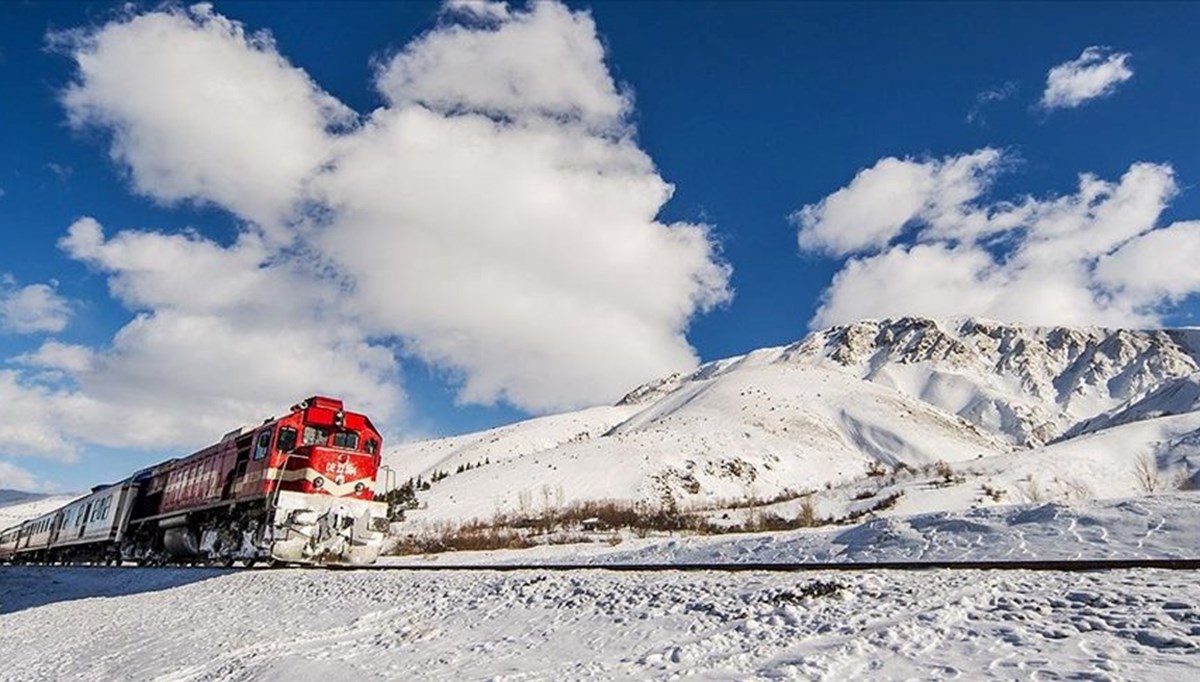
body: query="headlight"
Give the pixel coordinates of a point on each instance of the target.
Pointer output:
(304, 517)
(318, 482)
(359, 487)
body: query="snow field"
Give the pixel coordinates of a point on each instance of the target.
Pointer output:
(1164, 526)
(192, 624)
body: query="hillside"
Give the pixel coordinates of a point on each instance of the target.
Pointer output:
(942, 415)
(17, 506)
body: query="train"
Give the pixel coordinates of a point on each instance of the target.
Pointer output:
(296, 489)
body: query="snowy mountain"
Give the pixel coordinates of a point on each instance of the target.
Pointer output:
(1016, 413)
(17, 506)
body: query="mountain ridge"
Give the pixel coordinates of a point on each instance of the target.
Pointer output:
(829, 409)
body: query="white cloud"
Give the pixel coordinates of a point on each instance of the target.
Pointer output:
(1097, 256)
(57, 356)
(877, 205)
(30, 426)
(543, 274)
(496, 219)
(14, 477)
(32, 308)
(478, 9)
(225, 328)
(200, 109)
(547, 61)
(1158, 265)
(1095, 73)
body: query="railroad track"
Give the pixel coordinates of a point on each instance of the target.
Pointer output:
(764, 567)
(808, 567)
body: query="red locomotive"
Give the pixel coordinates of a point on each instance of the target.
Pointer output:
(298, 488)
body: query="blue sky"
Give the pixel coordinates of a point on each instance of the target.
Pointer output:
(433, 246)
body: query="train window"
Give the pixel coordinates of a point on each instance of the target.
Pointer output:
(315, 435)
(263, 445)
(345, 439)
(372, 445)
(287, 439)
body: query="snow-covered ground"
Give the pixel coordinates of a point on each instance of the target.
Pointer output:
(194, 624)
(1163, 526)
(202, 624)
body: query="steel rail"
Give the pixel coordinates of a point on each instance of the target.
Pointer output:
(807, 567)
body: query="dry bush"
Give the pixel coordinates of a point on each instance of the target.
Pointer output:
(875, 469)
(1030, 489)
(808, 513)
(1145, 473)
(462, 539)
(995, 493)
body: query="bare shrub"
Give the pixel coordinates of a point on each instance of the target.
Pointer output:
(883, 504)
(463, 539)
(996, 494)
(1145, 473)
(1076, 489)
(943, 471)
(808, 513)
(875, 469)
(1030, 489)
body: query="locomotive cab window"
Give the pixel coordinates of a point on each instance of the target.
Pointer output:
(315, 435)
(263, 445)
(372, 446)
(346, 439)
(287, 439)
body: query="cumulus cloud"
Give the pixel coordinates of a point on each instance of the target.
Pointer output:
(1095, 73)
(877, 205)
(225, 328)
(477, 9)
(220, 334)
(14, 477)
(57, 356)
(32, 308)
(1159, 265)
(1098, 256)
(199, 109)
(30, 426)
(547, 61)
(495, 219)
(511, 198)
